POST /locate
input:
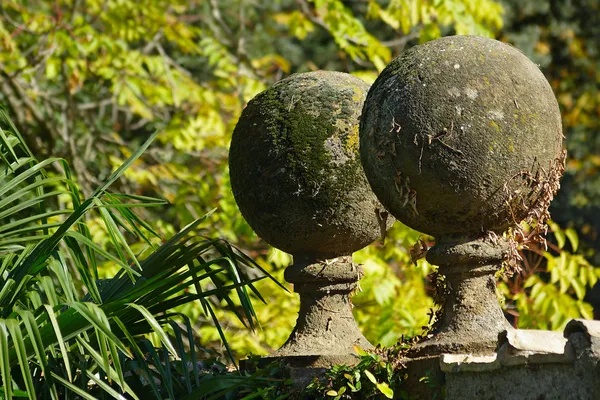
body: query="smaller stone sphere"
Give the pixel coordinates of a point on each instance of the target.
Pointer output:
(295, 168)
(462, 135)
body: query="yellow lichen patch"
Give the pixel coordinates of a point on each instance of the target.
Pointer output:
(352, 140)
(359, 93)
(494, 125)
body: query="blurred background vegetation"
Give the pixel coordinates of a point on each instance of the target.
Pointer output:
(88, 80)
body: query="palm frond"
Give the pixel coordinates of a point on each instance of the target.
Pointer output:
(63, 330)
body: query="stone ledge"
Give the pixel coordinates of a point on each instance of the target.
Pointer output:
(530, 364)
(453, 363)
(521, 347)
(590, 328)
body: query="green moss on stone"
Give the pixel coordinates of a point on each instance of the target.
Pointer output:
(295, 167)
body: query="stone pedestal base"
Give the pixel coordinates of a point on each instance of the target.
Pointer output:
(471, 319)
(325, 325)
(325, 328)
(326, 333)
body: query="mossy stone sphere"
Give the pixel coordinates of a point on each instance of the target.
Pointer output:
(455, 131)
(295, 168)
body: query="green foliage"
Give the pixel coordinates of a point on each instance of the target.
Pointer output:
(552, 287)
(270, 381)
(64, 331)
(481, 18)
(371, 378)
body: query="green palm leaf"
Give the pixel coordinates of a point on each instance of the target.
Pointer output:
(61, 328)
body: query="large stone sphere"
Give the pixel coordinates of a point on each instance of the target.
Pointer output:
(460, 136)
(295, 168)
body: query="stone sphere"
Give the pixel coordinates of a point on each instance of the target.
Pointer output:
(295, 167)
(461, 135)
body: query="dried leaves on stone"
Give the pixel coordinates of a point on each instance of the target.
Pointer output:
(543, 186)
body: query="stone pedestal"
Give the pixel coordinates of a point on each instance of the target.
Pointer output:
(326, 327)
(471, 317)
(475, 149)
(297, 178)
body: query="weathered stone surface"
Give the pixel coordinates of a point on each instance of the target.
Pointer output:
(295, 169)
(471, 317)
(533, 341)
(527, 382)
(529, 346)
(452, 132)
(583, 340)
(468, 363)
(590, 328)
(325, 326)
(461, 138)
(530, 364)
(297, 178)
